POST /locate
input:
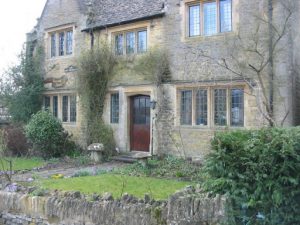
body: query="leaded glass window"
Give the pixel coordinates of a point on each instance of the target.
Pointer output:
(194, 20)
(46, 102)
(61, 43)
(119, 44)
(225, 15)
(73, 112)
(201, 107)
(65, 108)
(53, 45)
(220, 109)
(142, 41)
(130, 42)
(69, 44)
(210, 18)
(114, 108)
(55, 106)
(186, 107)
(237, 107)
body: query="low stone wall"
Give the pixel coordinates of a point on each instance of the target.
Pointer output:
(183, 208)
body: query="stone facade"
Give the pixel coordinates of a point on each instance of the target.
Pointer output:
(168, 31)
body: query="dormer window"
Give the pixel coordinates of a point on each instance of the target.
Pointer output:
(130, 42)
(64, 45)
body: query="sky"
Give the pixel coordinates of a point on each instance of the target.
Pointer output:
(17, 17)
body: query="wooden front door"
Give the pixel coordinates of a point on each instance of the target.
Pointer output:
(140, 123)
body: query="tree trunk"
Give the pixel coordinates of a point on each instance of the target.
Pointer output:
(271, 64)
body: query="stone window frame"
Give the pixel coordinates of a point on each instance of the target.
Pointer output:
(55, 38)
(210, 106)
(57, 109)
(189, 3)
(136, 41)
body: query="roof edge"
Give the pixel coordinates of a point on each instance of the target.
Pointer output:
(157, 15)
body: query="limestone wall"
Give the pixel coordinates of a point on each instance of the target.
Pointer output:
(183, 208)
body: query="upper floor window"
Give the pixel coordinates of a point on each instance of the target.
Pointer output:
(209, 17)
(130, 42)
(64, 45)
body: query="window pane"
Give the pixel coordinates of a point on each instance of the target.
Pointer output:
(130, 41)
(225, 15)
(194, 20)
(220, 107)
(46, 102)
(210, 18)
(53, 45)
(119, 44)
(237, 107)
(55, 106)
(201, 107)
(114, 108)
(73, 109)
(69, 46)
(65, 111)
(142, 41)
(61, 43)
(186, 108)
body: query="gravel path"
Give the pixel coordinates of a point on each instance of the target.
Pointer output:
(67, 171)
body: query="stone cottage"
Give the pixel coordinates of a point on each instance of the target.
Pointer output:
(219, 62)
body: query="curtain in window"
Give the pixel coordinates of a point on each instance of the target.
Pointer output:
(225, 15)
(194, 20)
(210, 18)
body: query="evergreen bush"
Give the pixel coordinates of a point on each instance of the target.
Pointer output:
(259, 171)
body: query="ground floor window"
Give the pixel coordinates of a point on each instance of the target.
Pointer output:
(62, 106)
(114, 108)
(212, 106)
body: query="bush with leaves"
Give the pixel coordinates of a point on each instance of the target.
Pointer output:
(48, 135)
(259, 171)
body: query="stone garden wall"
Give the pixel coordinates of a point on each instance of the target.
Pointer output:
(187, 207)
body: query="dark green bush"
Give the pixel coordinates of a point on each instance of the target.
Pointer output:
(259, 171)
(48, 135)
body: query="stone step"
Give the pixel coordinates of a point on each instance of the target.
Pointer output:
(125, 159)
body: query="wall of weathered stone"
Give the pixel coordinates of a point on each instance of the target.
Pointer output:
(183, 208)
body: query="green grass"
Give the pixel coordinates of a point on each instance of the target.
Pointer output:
(21, 163)
(137, 186)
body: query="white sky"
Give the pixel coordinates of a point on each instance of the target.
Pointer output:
(17, 17)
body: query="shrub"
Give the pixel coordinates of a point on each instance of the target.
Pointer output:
(48, 136)
(15, 140)
(259, 171)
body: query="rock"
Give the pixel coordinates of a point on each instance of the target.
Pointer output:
(11, 188)
(96, 147)
(107, 196)
(147, 198)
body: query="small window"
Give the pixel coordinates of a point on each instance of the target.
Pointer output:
(142, 41)
(186, 107)
(194, 20)
(130, 43)
(114, 108)
(61, 43)
(220, 107)
(55, 106)
(53, 45)
(210, 18)
(47, 102)
(237, 107)
(119, 44)
(69, 44)
(65, 108)
(201, 107)
(73, 109)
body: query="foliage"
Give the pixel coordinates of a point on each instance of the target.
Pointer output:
(154, 63)
(48, 135)
(15, 140)
(21, 93)
(259, 171)
(82, 173)
(169, 167)
(137, 186)
(95, 69)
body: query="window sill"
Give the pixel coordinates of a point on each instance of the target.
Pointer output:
(216, 36)
(208, 128)
(73, 124)
(60, 57)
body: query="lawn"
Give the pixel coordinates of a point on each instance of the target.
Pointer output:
(137, 186)
(21, 163)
